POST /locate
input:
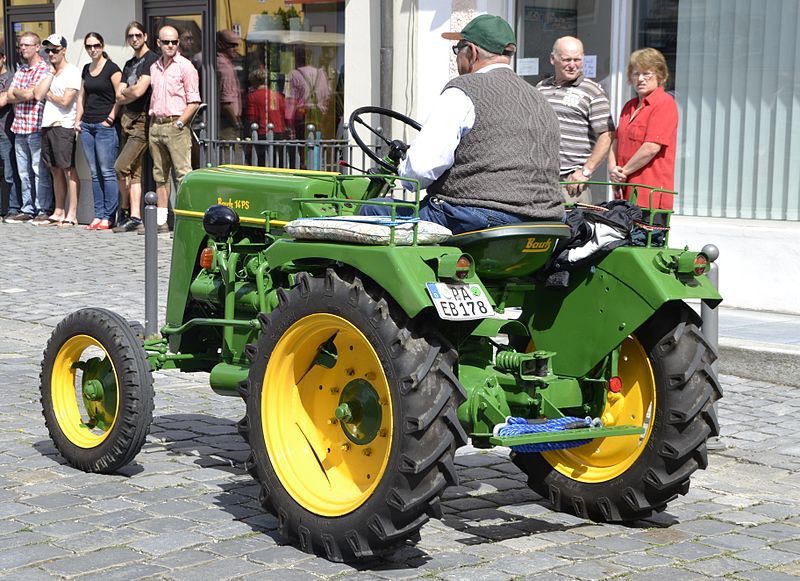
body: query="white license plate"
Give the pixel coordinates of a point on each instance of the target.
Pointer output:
(459, 302)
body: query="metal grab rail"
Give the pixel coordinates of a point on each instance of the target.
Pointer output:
(312, 153)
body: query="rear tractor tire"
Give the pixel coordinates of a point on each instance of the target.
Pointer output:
(351, 418)
(96, 390)
(669, 388)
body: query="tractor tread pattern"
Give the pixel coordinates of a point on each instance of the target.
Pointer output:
(425, 392)
(685, 418)
(123, 341)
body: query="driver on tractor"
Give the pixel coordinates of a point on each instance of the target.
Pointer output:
(488, 155)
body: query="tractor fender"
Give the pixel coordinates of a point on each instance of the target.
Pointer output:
(605, 303)
(401, 270)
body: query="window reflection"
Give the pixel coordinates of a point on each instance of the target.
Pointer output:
(289, 67)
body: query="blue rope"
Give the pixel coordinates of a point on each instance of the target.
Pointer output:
(519, 426)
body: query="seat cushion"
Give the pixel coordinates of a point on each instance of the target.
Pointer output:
(372, 230)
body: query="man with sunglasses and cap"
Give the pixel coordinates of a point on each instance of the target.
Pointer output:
(58, 129)
(175, 98)
(488, 154)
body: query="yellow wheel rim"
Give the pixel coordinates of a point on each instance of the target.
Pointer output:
(329, 466)
(606, 458)
(85, 422)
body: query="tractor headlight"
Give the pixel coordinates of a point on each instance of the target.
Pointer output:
(220, 222)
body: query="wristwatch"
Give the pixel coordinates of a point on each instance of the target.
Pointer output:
(179, 124)
(586, 173)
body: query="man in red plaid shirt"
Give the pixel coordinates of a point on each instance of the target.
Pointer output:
(27, 92)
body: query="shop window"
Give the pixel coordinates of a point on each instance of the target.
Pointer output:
(281, 65)
(734, 68)
(542, 22)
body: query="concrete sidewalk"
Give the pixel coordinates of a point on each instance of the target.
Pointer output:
(760, 345)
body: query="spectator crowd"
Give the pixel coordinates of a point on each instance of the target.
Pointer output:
(49, 105)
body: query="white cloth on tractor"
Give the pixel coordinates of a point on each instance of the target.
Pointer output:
(373, 230)
(602, 235)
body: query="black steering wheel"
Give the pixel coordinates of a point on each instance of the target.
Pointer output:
(397, 148)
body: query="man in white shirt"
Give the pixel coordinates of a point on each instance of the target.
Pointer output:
(488, 154)
(60, 90)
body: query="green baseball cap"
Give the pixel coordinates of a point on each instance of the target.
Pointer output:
(489, 32)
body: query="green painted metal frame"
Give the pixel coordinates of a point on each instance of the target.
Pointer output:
(606, 302)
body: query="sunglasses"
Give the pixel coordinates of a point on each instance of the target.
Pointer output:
(457, 48)
(93, 46)
(169, 42)
(135, 35)
(52, 50)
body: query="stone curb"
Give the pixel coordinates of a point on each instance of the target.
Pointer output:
(760, 361)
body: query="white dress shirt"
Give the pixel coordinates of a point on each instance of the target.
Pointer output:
(433, 152)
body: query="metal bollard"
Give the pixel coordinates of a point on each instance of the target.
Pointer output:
(710, 316)
(150, 265)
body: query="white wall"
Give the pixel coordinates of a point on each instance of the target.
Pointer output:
(109, 18)
(361, 54)
(759, 260)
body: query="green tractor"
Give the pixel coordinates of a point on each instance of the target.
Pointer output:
(364, 367)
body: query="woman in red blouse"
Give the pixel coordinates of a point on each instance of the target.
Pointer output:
(644, 149)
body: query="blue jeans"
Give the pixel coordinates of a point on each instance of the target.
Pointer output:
(457, 218)
(10, 172)
(28, 147)
(100, 145)
(45, 198)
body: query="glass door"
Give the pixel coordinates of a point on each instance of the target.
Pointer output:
(25, 16)
(542, 22)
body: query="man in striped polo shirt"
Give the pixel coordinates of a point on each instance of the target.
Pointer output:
(584, 115)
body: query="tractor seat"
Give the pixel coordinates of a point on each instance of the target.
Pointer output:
(513, 250)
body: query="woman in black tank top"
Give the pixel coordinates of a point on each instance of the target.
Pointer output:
(97, 110)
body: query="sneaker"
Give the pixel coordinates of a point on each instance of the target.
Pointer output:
(19, 218)
(42, 220)
(129, 225)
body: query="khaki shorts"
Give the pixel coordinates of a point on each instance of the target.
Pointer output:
(171, 149)
(134, 144)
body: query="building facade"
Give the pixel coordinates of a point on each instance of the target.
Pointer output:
(734, 67)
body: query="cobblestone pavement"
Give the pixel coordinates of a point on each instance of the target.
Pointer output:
(186, 509)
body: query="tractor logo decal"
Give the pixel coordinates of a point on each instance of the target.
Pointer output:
(538, 246)
(234, 204)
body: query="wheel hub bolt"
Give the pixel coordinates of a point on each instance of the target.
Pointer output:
(343, 413)
(93, 390)
(367, 451)
(345, 447)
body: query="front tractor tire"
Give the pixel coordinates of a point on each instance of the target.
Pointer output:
(669, 388)
(96, 390)
(351, 418)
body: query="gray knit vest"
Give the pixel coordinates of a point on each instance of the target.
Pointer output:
(509, 160)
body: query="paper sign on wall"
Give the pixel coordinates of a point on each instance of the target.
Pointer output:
(590, 66)
(528, 67)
